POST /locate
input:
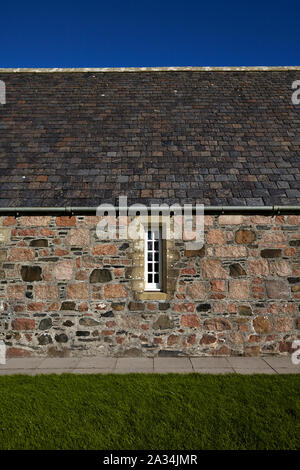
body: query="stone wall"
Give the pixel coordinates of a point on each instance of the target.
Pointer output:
(65, 292)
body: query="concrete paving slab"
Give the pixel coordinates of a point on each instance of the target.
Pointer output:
(59, 363)
(138, 364)
(210, 362)
(286, 370)
(97, 362)
(172, 363)
(22, 362)
(174, 371)
(214, 370)
(280, 362)
(255, 370)
(22, 371)
(160, 365)
(132, 371)
(92, 371)
(247, 362)
(53, 371)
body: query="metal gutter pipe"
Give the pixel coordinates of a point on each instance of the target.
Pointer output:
(69, 211)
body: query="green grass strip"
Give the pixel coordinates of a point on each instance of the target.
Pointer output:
(141, 411)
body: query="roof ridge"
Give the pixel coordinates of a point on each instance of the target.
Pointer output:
(259, 68)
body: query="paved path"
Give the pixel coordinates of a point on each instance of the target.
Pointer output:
(161, 365)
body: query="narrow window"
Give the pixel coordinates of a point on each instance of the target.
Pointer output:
(153, 260)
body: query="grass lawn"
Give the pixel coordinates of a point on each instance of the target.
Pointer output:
(139, 411)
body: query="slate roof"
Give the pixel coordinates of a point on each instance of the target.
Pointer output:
(212, 136)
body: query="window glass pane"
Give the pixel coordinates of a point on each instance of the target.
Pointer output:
(152, 259)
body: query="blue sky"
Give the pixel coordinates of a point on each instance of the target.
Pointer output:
(149, 33)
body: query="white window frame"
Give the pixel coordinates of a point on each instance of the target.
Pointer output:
(153, 286)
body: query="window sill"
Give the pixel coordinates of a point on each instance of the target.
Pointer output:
(152, 295)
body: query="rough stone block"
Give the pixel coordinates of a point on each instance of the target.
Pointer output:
(213, 269)
(21, 254)
(245, 236)
(45, 291)
(23, 324)
(31, 273)
(63, 270)
(239, 289)
(190, 321)
(163, 323)
(78, 290)
(197, 291)
(100, 250)
(113, 291)
(78, 237)
(100, 276)
(277, 289)
(4, 235)
(262, 325)
(15, 291)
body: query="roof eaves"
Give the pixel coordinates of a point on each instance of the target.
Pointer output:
(153, 69)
